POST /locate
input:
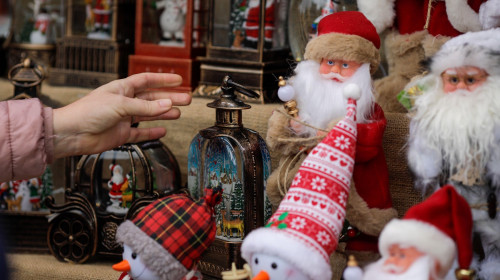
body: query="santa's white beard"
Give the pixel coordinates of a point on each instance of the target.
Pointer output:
(460, 124)
(421, 269)
(117, 178)
(321, 100)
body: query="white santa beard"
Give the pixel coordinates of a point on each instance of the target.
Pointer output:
(321, 100)
(421, 269)
(459, 124)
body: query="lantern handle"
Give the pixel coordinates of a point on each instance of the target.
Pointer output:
(27, 64)
(229, 83)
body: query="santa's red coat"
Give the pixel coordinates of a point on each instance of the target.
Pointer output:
(411, 17)
(371, 176)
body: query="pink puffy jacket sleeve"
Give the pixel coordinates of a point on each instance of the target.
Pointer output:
(26, 144)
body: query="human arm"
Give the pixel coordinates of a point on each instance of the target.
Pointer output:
(102, 119)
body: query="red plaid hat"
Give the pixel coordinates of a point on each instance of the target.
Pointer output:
(171, 233)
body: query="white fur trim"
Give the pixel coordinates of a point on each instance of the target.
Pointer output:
(489, 14)
(380, 12)
(279, 243)
(423, 236)
(480, 49)
(461, 16)
(352, 91)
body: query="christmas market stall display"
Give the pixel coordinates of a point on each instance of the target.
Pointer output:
(167, 238)
(98, 40)
(235, 158)
(109, 187)
(169, 35)
(36, 26)
(246, 38)
(454, 134)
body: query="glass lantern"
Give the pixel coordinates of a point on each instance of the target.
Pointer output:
(35, 27)
(169, 35)
(98, 40)
(248, 39)
(237, 159)
(109, 187)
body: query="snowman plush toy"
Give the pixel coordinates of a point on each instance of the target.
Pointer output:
(165, 240)
(299, 238)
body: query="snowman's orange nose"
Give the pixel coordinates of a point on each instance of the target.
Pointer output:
(122, 266)
(262, 275)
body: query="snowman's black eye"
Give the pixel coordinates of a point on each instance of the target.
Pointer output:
(134, 255)
(256, 261)
(274, 265)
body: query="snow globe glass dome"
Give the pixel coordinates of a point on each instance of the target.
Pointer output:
(112, 180)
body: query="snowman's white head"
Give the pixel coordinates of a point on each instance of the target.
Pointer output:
(138, 270)
(275, 268)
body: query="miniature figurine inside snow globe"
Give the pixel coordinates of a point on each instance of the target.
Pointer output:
(112, 180)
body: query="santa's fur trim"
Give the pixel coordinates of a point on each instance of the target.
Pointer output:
(278, 243)
(380, 12)
(423, 236)
(461, 16)
(343, 47)
(480, 49)
(153, 255)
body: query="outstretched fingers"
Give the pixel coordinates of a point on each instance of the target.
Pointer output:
(178, 99)
(143, 108)
(145, 134)
(172, 114)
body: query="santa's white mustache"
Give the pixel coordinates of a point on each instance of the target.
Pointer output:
(392, 268)
(332, 75)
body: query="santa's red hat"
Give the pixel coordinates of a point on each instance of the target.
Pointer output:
(305, 228)
(348, 36)
(440, 226)
(480, 49)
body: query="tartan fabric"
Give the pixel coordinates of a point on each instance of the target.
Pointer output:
(183, 227)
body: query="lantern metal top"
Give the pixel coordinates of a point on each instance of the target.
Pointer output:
(228, 99)
(26, 74)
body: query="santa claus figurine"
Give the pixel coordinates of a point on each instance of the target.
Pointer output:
(345, 51)
(117, 184)
(418, 30)
(299, 238)
(101, 15)
(455, 133)
(433, 241)
(252, 24)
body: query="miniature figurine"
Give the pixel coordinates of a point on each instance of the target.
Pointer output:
(117, 184)
(89, 16)
(101, 16)
(345, 51)
(172, 20)
(425, 243)
(165, 240)
(455, 133)
(252, 24)
(42, 22)
(418, 28)
(299, 238)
